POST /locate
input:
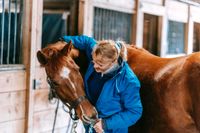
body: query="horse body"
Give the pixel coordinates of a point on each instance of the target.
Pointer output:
(170, 92)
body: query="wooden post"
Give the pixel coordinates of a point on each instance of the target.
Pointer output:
(73, 30)
(139, 24)
(31, 38)
(86, 21)
(134, 22)
(189, 33)
(163, 43)
(81, 15)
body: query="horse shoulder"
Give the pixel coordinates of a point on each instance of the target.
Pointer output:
(192, 65)
(193, 82)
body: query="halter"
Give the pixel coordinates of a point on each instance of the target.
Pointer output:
(71, 105)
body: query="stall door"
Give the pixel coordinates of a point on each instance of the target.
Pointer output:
(196, 37)
(150, 33)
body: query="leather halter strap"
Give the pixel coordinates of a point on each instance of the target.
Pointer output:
(70, 104)
(76, 102)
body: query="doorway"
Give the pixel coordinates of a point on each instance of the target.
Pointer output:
(150, 33)
(196, 37)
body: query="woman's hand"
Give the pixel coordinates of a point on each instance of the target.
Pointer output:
(99, 126)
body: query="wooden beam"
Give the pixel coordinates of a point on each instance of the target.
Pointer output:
(189, 33)
(73, 29)
(153, 9)
(81, 15)
(27, 30)
(12, 106)
(16, 126)
(139, 25)
(177, 11)
(57, 5)
(14, 80)
(32, 36)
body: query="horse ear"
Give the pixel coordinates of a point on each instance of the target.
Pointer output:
(67, 48)
(41, 58)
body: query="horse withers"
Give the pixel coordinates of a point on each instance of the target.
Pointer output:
(65, 79)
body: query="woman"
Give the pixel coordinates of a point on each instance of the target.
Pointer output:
(110, 84)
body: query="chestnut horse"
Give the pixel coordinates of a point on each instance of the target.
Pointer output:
(170, 92)
(170, 89)
(65, 80)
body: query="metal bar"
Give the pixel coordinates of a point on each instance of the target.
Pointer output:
(106, 24)
(115, 25)
(102, 24)
(101, 28)
(110, 24)
(9, 31)
(2, 30)
(20, 31)
(95, 23)
(99, 23)
(15, 34)
(122, 35)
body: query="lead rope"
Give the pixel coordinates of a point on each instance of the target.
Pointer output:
(74, 125)
(56, 112)
(91, 128)
(92, 123)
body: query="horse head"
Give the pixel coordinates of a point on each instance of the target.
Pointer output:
(65, 79)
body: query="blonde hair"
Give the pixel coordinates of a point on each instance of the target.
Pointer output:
(110, 49)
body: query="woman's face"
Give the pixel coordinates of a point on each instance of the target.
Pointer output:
(101, 63)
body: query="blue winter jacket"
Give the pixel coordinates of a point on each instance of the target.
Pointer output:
(119, 104)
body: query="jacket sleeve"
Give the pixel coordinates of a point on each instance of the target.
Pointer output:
(82, 42)
(130, 99)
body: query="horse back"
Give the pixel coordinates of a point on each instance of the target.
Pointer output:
(193, 78)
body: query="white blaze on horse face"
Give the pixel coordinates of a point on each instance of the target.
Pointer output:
(65, 74)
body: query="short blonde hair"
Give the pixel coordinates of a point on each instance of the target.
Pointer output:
(110, 49)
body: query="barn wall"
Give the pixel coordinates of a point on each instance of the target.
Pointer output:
(12, 101)
(24, 108)
(167, 10)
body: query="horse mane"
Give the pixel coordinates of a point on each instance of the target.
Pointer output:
(133, 46)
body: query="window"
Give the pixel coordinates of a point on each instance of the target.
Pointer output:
(109, 24)
(10, 32)
(176, 35)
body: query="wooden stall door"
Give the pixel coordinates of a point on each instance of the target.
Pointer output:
(150, 33)
(196, 37)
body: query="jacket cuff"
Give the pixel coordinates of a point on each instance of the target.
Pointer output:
(104, 125)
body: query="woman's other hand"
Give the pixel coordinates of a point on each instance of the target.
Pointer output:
(99, 126)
